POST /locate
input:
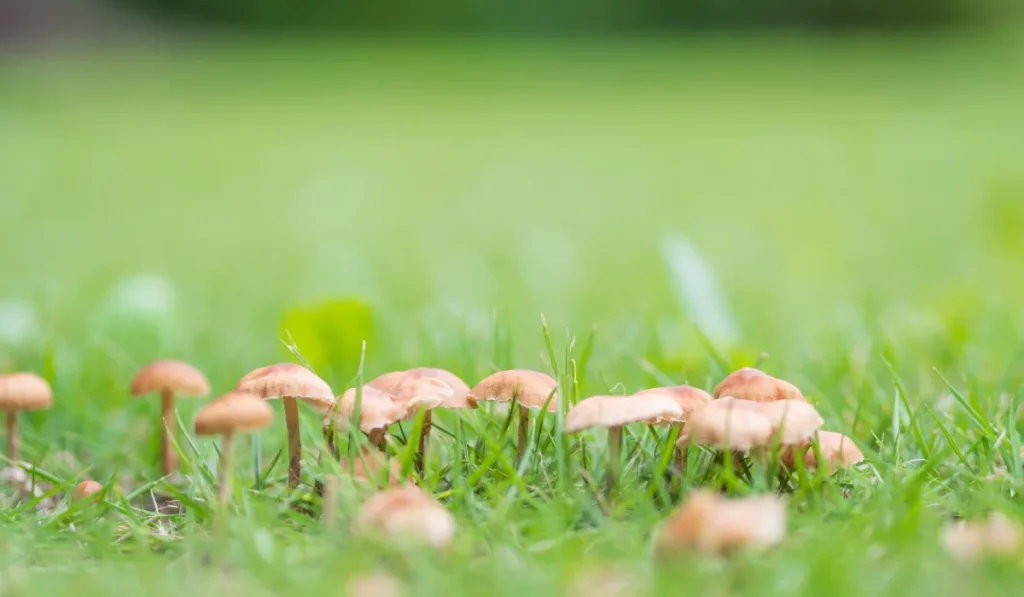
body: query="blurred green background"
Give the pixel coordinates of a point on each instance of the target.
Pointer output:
(196, 191)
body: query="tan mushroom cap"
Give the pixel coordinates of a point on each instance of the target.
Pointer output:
(392, 382)
(407, 514)
(688, 398)
(377, 410)
(424, 393)
(616, 411)
(837, 450)
(175, 376)
(369, 465)
(794, 420)
(233, 412)
(997, 535)
(727, 424)
(287, 380)
(85, 489)
(24, 391)
(376, 584)
(711, 523)
(756, 385)
(529, 388)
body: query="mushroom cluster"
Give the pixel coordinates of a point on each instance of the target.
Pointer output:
(748, 413)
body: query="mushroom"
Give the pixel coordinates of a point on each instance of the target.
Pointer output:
(21, 392)
(169, 378)
(407, 514)
(752, 384)
(231, 413)
(85, 489)
(997, 536)
(711, 523)
(794, 421)
(612, 413)
(375, 584)
(836, 449)
(427, 388)
(368, 465)
(689, 399)
(377, 411)
(530, 389)
(289, 382)
(727, 424)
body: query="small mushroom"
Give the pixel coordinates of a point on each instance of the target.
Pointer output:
(689, 399)
(529, 389)
(793, 421)
(711, 523)
(612, 413)
(376, 584)
(377, 411)
(289, 382)
(232, 413)
(997, 536)
(85, 489)
(21, 392)
(837, 450)
(425, 388)
(603, 582)
(407, 514)
(752, 384)
(170, 378)
(727, 424)
(369, 465)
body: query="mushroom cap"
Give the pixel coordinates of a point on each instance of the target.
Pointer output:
(377, 410)
(727, 424)
(287, 380)
(714, 524)
(460, 398)
(529, 388)
(85, 489)
(688, 398)
(424, 393)
(233, 412)
(794, 420)
(996, 535)
(369, 464)
(375, 584)
(24, 391)
(407, 514)
(836, 449)
(175, 376)
(616, 411)
(753, 384)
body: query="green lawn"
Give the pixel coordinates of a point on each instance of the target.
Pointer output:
(859, 201)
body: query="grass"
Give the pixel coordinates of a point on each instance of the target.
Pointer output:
(859, 203)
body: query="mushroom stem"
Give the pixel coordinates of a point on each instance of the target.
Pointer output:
(614, 458)
(424, 437)
(13, 442)
(291, 419)
(224, 472)
(524, 431)
(169, 459)
(377, 438)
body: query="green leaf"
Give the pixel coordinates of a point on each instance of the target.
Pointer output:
(329, 335)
